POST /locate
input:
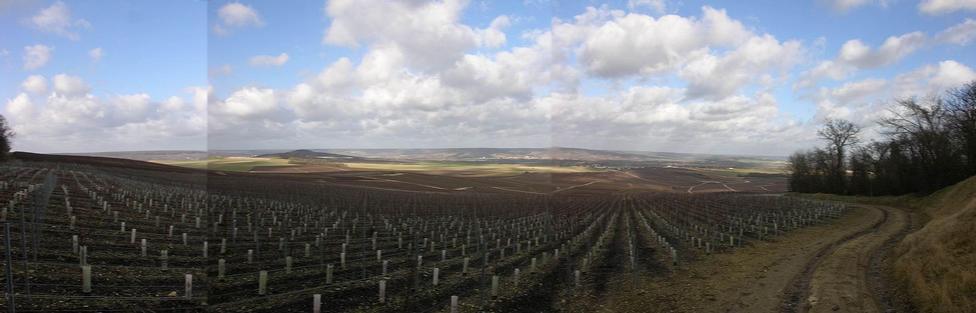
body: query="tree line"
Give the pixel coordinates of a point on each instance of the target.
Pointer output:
(926, 144)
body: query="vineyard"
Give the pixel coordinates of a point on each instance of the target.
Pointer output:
(84, 238)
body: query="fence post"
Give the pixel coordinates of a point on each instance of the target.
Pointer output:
(189, 286)
(263, 283)
(86, 279)
(383, 291)
(317, 303)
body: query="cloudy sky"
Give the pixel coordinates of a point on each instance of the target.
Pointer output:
(737, 77)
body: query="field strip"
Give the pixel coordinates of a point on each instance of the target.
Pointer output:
(692, 188)
(403, 182)
(577, 186)
(522, 191)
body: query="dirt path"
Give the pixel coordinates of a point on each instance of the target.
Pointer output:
(843, 280)
(828, 262)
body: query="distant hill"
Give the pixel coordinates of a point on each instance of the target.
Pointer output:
(481, 154)
(160, 155)
(309, 154)
(561, 155)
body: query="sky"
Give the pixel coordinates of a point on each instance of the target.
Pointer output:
(726, 77)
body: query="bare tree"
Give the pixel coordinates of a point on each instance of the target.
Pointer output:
(5, 138)
(839, 134)
(960, 104)
(924, 128)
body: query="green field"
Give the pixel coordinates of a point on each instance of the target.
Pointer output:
(230, 164)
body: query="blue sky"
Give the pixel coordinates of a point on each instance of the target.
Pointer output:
(685, 76)
(156, 47)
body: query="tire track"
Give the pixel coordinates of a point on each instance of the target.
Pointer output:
(842, 275)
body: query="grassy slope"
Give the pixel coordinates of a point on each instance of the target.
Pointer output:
(936, 265)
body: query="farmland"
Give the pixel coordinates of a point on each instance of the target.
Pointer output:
(102, 234)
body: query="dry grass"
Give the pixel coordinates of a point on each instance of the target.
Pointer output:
(937, 264)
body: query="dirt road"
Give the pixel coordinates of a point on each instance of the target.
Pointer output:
(843, 280)
(823, 268)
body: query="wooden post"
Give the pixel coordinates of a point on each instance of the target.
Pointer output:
(464, 267)
(385, 264)
(437, 272)
(494, 286)
(317, 303)
(86, 279)
(288, 265)
(221, 268)
(383, 291)
(342, 260)
(454, 304)
(189, 286)
(328, 274)
(516, 278)
(164, 259)
(263, 283)
(143, 247)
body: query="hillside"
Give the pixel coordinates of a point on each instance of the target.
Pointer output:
(936, 264)
(309, 154)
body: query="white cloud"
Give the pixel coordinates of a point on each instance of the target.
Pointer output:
(66, 118)
(931, 79)
(616, 44)
(236, 15)
(864, 102)
(936, 7)
(424, 80)
(429, 34)
(658, 6)
(69, 85)
(961, 34)
(494, 35)
(36, 56)
(269, 60)
(249, 102)
(56, 19)
(855, 55)
(717, 77)
(95, 54)
(223, 70)
(847, 5)
(35, 84)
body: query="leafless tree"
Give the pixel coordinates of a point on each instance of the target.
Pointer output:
(839, 134)
(6, 135)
